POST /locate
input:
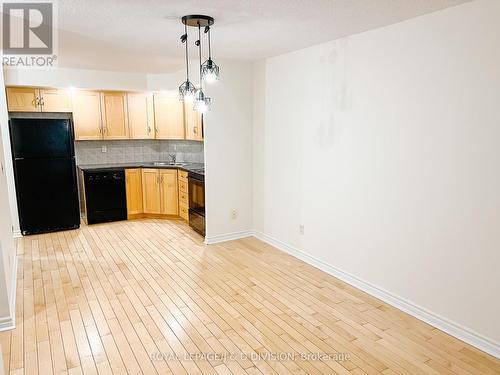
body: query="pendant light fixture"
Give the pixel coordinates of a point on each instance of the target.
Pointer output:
(201, 102)
(209, 71)
(187, 89)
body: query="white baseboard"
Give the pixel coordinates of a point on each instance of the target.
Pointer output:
(17, 234)
(6, 323)
(9, 322)
(228, 237)
(452, 328)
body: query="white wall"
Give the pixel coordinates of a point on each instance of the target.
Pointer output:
(166, 82)
(7, 258)
(6, 154)
(80, 78)
(228, 151)
(386, 146)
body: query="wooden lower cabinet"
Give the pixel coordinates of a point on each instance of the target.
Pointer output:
(169, 192)
(160, 192)
(183, 195)
(184, 211)
(133, 178)
(151, 191)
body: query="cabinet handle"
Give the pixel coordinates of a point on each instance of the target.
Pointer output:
(195, 130)
(156, 130)
(37, 101)
(42, 103)
(149, 130)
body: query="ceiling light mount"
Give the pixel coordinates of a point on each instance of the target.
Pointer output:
(196, 20)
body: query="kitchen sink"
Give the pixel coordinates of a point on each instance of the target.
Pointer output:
(167, 164)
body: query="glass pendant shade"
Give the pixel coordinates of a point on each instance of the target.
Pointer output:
(202, 103)
(203, 106)
(210, 71)
(187, 91)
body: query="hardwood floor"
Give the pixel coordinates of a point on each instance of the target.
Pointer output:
(148, 297)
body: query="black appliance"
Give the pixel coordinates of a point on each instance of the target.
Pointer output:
(105, 195)
(45, 174)
(196, 187)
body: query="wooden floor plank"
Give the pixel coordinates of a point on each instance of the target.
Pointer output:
(147, 296)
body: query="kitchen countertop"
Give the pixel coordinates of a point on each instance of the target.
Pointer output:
(188, 167)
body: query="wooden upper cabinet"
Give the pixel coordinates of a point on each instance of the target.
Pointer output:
(23, 99)
(133, 178)
(151, 191)
(169, 192)
(140, 115)
(87, 115)
(114, 115)
(194, 122)
(31, 99)
(169, 117)
(55, 100)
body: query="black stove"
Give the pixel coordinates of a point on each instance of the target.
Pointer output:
(198, 174)
(196, 185)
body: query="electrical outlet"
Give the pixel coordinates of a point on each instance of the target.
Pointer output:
(301, 228)
(104, 149)
(234, 214)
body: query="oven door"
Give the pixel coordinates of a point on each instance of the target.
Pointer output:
(197, 205)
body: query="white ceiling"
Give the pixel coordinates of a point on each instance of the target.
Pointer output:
(143, 36)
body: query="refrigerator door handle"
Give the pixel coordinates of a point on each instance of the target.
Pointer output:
(18, 158)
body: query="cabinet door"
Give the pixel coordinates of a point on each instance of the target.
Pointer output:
(140, 115)
(194, 122)
(151, 191)
(23, 99)
(54, 100)
(114, 118)
(87, 115)
(183, 195)
(169, 192)
(169, 117)
(133, 179)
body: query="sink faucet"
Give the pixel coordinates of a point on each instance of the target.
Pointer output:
(173, 157)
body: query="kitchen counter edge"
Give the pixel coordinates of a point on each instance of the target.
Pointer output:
(188, 167)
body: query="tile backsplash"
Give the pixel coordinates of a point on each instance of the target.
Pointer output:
(130, 151)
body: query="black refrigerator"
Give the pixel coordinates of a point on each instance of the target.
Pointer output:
(45, 174)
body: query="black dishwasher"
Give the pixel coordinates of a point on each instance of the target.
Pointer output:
(105, 195)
